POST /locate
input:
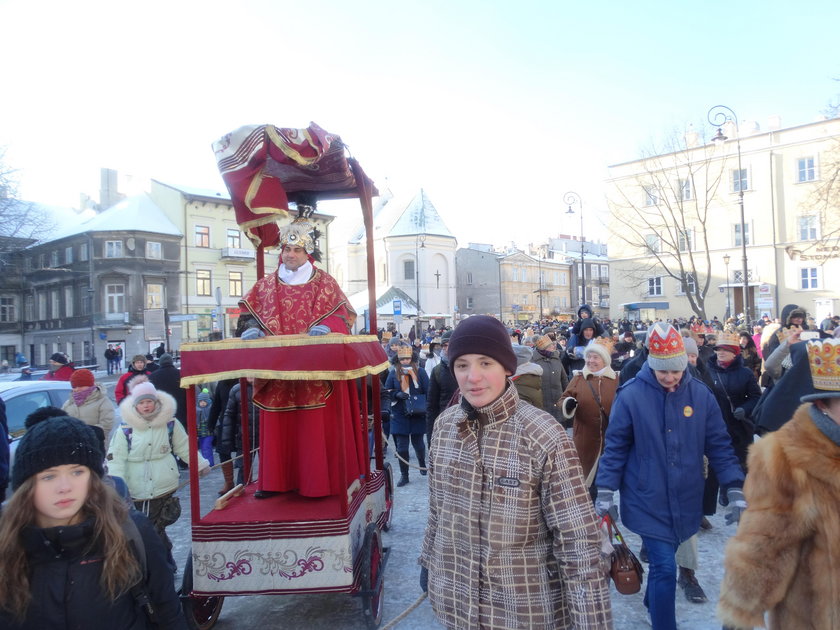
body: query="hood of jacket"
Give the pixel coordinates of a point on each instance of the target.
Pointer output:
(136, 421)
(587, 308)
(793, 310)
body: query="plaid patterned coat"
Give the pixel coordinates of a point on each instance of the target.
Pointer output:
(512, 539)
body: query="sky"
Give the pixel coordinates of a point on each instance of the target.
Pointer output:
(495, 109)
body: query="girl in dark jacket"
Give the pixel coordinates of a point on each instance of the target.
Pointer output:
(405, 380)
(749, 352)
(68, 540)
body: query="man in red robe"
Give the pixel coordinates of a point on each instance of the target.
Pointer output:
(303, 424)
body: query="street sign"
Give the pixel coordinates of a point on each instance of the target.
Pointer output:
(213, 313)
(183, 318)
(397, 307)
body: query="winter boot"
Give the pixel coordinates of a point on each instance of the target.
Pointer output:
(227, 472)
(403, 481)
(688, 582)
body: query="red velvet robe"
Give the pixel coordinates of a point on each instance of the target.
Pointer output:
(303, 423)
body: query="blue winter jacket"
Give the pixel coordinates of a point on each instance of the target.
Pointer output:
(653, 454)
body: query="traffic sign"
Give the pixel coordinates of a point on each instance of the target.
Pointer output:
(397, 307)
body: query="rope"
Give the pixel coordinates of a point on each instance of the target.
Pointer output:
(399, 457)
(393, 623)
(219, 465)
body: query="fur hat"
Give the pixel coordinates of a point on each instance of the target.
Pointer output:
(138, 357)
(602, 347)
(81, 378)
(60, 357)
(824, 361)
(54, 442)
(144, 391)
(666, 350)
(482, 334)
(543, 343)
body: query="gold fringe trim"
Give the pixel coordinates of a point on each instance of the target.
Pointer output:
(286, 375)
(277, 341)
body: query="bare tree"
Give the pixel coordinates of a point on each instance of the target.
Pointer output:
(663, 213)
(18, 218)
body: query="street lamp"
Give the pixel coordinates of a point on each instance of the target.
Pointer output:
(540, 280)
(718, 116)
(569, 198)
(726, 260)
(419, 243)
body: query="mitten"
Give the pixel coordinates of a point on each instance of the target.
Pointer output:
(252, 333)
(603, 501)
(319, 329)
(401, 395)
(737, 505)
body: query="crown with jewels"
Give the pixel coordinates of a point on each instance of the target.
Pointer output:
(824, 360)
(727, 338)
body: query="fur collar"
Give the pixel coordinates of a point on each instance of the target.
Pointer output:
(136, 421)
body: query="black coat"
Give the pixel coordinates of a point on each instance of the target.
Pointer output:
(64, 581)
(168, 379)
(442, 386)
(4, 452)
(231, 433)
(737, 381)
(778, 403)
(218, 406)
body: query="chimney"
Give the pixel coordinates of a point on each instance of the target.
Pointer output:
(109, 193)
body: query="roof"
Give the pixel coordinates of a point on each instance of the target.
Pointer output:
(420, 217)
(133, 214)
(197, 193)
(385, 302)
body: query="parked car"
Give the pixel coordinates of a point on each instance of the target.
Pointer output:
(24, 397)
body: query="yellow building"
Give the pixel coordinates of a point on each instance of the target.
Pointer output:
(676, 231)
(534, 287)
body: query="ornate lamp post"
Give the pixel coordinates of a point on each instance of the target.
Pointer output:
(569, 198)
(718, 116)
(726, 260)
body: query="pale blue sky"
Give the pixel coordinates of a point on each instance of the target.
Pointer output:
(495, 108)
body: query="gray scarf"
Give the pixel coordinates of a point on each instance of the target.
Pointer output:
(826, 425)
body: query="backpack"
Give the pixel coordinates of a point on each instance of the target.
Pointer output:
(170, 427)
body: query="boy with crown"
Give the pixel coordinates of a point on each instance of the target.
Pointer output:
(784, 559)
(297, 416)
(662, 423)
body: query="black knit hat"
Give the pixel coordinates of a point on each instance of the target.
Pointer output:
(54, 442)
(482, 334)
(60, 357)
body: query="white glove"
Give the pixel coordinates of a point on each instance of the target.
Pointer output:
(319, 329)
(737, 505)
(604, 501)
(252, 333)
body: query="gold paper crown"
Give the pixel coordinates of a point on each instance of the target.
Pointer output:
(404, 352)
(727, 338)
(606, 342)
(824, 359)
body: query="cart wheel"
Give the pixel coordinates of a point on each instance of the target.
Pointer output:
(372, 604)
(200, 612)
(389, 497)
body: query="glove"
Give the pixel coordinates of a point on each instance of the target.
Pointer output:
(319, 329)
(401, 395)
(603, 501)
(252, 333)
(424, 579)
(737, 505)
(739, 414)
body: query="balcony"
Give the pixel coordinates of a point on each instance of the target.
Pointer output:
(235, 253)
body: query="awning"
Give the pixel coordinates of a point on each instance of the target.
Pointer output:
(636, 306)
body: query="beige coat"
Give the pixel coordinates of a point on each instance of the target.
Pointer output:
(97, 410)
(785, 557)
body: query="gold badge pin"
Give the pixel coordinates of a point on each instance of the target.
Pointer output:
(688, 411)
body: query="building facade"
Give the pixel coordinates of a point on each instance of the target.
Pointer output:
(676, 233)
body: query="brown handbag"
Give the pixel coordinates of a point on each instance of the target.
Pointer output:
(625, 569)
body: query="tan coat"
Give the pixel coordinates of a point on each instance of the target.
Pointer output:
(785, 557)
(588, 428)
(97, 410)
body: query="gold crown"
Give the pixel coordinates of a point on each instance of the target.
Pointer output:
(404, 352)
(824, 359)
(727, 338)
(608, 343)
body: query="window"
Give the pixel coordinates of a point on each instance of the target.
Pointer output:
(408, 270)
(8, 312)
(202, 236)
(805, 169)
(690, 284)
(564, 301)
(556, 278)
(54, 304)
(68, 255)
(653, 243)
(235, 283)
(808, 228)
(596, 295)
(470, 303)
(114, 298)
(234, 239)
(83, 252)
(685, 189)
(739, 180)
(54, 259)
(68, 301)
(809, 278)
(154, 295)
(113, 249)
(655, 286)
(737, 229)
(203, 282)
(469, 278)
(153, 250)
(29, 307)
(651, 196)
(605, 272)
(564, 279)
(87, 300)
(516, 274)
(686, 240)
(42, 261)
